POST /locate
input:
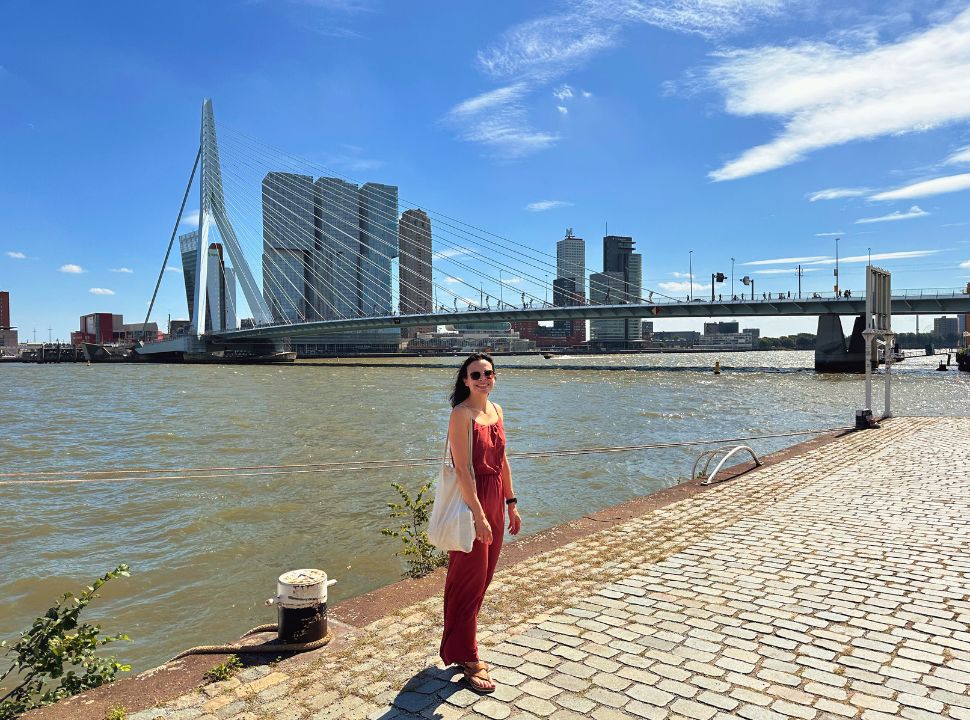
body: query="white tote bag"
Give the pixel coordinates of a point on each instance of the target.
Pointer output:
(451, 526)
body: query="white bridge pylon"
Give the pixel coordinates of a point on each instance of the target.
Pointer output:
(212, 208)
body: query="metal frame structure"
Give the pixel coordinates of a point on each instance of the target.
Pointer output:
(212, 208)
(708, 457)
(879, 325)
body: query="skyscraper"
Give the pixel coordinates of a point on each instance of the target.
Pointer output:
(571, 261)
(288, 246)
(378, 246)
(337, 244)
(189, 245)
(569, 287)
(618, 284)
(414, 244)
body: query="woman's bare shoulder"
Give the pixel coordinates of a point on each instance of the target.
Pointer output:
(498, 409)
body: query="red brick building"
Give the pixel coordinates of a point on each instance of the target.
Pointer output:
(571, 335)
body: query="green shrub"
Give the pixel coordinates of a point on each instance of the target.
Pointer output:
(421, 556)
(116, 712)
(225, 670)
(56, 657)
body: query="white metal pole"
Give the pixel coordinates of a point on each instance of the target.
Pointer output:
(869, 337)
(887, 412)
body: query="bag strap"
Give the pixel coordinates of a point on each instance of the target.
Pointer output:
(471, 450)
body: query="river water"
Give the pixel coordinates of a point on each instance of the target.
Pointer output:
(205, 553)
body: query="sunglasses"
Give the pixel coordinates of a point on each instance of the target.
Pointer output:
(476, 375)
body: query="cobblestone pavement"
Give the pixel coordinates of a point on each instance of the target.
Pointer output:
(831, 585)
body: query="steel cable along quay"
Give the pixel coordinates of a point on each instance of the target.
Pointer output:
(58, 477)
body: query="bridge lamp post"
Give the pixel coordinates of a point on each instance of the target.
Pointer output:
(715, 277)
(748, 281)
(732, 277)
(690, 274)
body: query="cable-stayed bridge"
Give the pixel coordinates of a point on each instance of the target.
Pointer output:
(314, 254)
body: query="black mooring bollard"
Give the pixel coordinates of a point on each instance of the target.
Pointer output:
(301, 604)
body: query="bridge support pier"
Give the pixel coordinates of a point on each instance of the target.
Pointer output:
(832, 353)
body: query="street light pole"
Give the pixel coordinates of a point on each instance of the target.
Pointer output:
(690, 273)
(732, 278)
(836, 267)
(799, 282)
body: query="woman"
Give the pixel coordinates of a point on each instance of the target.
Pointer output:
(486, 486)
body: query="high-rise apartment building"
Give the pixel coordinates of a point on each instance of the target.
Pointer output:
(337, 244)
(288, 246)
(221, 309)
(571, 261)
(569, 287)
(619, 284)
(378, 246)
(328, 247)
(414, 246)
(946, 329)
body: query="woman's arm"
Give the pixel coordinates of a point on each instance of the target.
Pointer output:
(461, 455)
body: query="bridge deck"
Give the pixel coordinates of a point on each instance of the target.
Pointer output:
(934, 304)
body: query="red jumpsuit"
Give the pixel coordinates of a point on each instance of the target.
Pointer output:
(470, 573)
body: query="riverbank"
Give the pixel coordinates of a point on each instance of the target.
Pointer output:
(826, 583)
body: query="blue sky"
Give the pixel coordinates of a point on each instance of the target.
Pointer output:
(758, 130)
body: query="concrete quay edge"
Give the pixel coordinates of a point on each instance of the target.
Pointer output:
(168, 681)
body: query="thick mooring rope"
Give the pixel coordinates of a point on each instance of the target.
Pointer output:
(256, 649)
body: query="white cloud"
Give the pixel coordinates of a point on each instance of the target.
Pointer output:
(684, 287)
(960, 156)
(101, 291)
(512, 281)
(72, 269)
(680, 274)
(122, 270)
(782, 271)
(191, 219)
(587, 94)
(563, 93)
(838, 233)
(936, 186)
(779, 261)
(449, 253)
(837, 193)
(897, 255)
(16, 255)
(562, 110)
(914, 212)
(827, 95)
(450, 279)
(965, 264)
(537, 52)
(172, 268)
(497, 119)
(543, 205)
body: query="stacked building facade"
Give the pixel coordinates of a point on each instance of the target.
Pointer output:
(221, 308)
(618, 284)
(569, 287)
(414, 246)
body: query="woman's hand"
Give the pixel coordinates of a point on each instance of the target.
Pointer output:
(483, 531)
(515, 521)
